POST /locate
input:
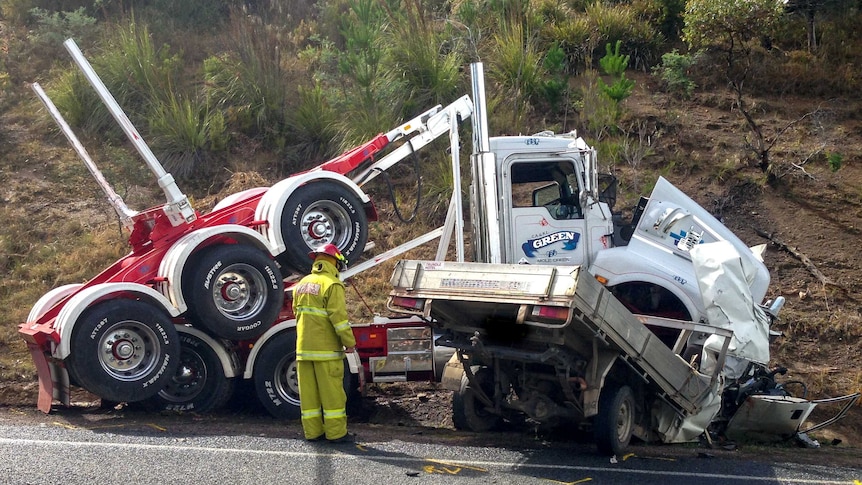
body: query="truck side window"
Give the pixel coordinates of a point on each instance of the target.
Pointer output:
(553, 185)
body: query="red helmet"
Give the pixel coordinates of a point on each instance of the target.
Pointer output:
(330, 250)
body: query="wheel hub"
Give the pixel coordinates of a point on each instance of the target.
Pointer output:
(188, 381)
(123, 350)
(325, 222)
(184, 375)
(287, 384)
(239, 292)
(318, 227)
(624, 420)
(233, 290)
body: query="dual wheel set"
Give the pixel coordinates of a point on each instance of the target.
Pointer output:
(130, 350)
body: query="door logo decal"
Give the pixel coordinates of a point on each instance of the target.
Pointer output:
(568, 238)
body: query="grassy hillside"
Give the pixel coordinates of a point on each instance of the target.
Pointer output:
(763, 131)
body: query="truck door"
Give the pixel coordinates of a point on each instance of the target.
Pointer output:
(544, 221)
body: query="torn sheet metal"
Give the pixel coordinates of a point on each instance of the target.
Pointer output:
(769, 417)
(723, 276)
(671, 427)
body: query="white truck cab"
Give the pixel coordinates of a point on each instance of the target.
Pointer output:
(548, 212)
(553, 211)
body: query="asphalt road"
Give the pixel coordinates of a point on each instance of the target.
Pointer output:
(94, 447)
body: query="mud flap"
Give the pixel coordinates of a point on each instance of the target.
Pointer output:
(53, 380)
(452, 372)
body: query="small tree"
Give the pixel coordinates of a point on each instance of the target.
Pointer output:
(731, 26)
(600, 104)
(673, 71)
(614, 65)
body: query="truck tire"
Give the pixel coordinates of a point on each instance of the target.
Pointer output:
(320, 213)
(275, 379)
(615, 422)
(199, 384)
(233, 290)
(123, 350)
(468, 412)
(275, 376)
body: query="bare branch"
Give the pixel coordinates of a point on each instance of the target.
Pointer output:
(802, 169)
(801, 257)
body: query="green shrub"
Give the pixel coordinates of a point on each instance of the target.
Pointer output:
(313, 128)
(555, 85)
(614, 65)
(250, 84)
(186, 133)
(80, 106)
(619, 22)
(581, 33)
(517, 67)
(664, 16)
(372, 93)
(19, 11)
(134, 71)
(468, 13)
(834, 160)
(55, 27)
(574, 36)
(673, 72)
(199, 15)
(426, 55)
(598, 113)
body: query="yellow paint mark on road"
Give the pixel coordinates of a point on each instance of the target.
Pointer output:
(660, 458)
(582, 480)
(444, 468)
(64, 425)
(627, 456)
(156, 427)
(107, 427)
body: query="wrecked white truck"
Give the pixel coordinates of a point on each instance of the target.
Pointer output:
(651, 329)
(553, 344)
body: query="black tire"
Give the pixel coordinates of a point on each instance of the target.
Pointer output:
(275, 379)
(235, 291)
(354, 395)
(123, 350)
(320, 213)
(468, 411)
(199, 385)
(615, 422)
(276, 384)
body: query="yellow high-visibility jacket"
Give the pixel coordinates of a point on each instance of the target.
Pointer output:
(322, 328)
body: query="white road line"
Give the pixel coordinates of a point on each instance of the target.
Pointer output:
(407, 459)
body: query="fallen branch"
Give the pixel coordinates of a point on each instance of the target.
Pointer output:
(801, 257)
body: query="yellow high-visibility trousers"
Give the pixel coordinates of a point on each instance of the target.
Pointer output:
(322, 398)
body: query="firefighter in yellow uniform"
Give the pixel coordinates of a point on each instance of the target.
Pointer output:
(323, 336)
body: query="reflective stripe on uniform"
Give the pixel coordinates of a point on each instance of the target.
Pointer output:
(310, 413)
(311, 310)
(334, 413)
(319, 355)
(341, 326)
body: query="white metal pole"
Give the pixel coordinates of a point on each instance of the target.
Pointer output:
(485, 176)
(178, 208)
(114, 199)
(456, 186)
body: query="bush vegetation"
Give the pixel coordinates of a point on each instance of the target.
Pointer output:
(308, 80)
